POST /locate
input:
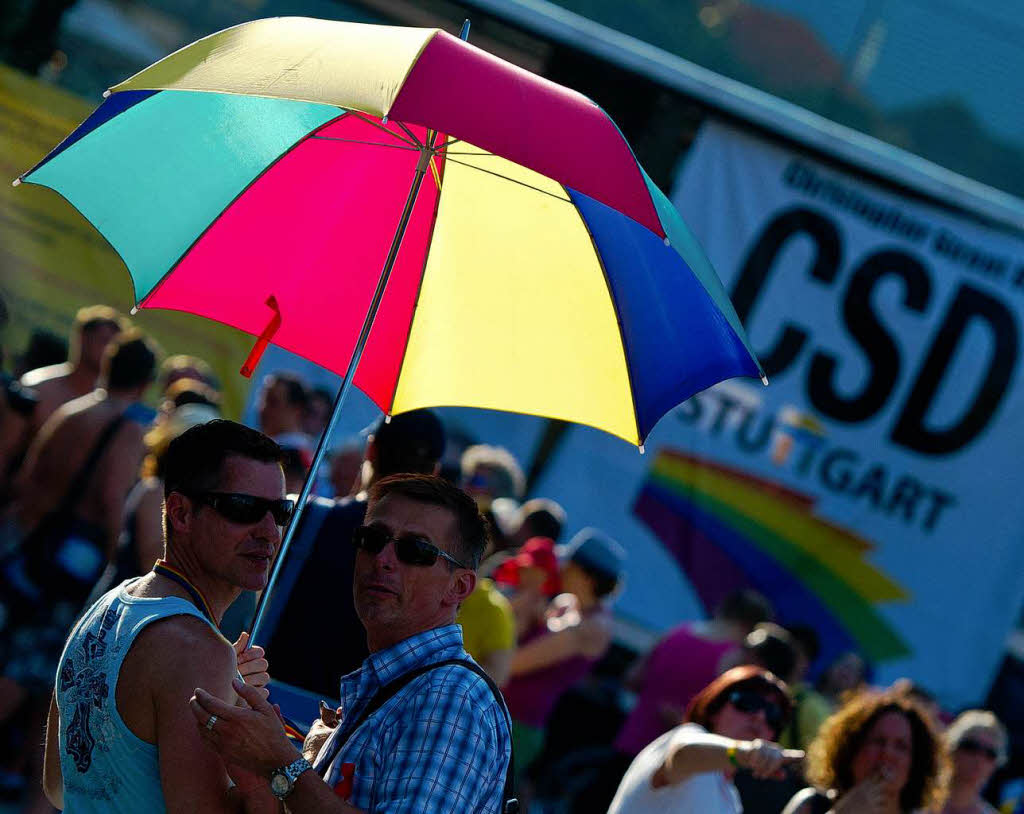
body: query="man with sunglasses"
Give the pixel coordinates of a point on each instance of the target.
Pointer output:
(120, 736)
(420, 734)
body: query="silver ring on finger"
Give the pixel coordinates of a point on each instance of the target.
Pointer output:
(210, 722)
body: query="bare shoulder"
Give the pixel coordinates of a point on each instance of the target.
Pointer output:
(46, 378)
(800, 803)
(183, 651)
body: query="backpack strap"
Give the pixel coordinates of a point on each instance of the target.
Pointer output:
(510, 805)
(85, 471)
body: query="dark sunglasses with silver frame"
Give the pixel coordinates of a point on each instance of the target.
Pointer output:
(409, 548)
(242, 508)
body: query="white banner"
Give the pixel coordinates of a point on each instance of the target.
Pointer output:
(877, 480)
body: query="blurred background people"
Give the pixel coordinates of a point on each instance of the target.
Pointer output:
(345, 469)
(283, 401)
(810, 709)
(977, 743)
(685, 660)
(488, 474)
(93, 328)
(560, 651)
(531, 579)
(67, 516)
(318, 411)
(879, 754)
(731, 724)
(844, 676)
(182, 366)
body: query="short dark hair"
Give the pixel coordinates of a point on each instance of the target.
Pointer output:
(129, 361)
(543, 517)
(773, 648)
(745, 606)
(296, 392)
(409, 442)
(807, 640)
(195, 459)
(715, 695)
(435, 491)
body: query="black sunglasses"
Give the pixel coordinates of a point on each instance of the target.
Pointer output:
(239, 508)
(409, 548)
(750, 702)
(977, 748)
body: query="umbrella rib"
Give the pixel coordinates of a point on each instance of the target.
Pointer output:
(449, 143)
(512, 180)
(381, 127)
(370, 143)
(409, 133)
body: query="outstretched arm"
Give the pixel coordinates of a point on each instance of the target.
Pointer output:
(693, 752)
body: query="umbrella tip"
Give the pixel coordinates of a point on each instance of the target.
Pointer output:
(668, 242)
(387, 418)
(16, 182)
(764, 380)
(134, 311)
(106, 93)
(642, 449)
(384, 119)
(464, 33)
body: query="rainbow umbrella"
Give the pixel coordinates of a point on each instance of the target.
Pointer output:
(438, 225)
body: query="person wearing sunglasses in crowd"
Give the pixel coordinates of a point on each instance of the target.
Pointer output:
(423, 731)
(730, 725)
(120, 736)
(879, 753)
(977, 744)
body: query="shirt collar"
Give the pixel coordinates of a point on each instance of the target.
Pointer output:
(386, 665)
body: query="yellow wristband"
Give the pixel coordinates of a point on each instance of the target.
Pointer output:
(731, 754)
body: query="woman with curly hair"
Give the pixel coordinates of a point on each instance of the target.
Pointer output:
(879, 754)
(730, 724)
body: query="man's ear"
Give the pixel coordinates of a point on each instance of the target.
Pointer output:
(178, 510)
(461, 587)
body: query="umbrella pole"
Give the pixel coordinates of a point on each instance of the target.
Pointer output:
(426, 153)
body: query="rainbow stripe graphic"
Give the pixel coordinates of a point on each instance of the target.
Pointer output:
(729, 529)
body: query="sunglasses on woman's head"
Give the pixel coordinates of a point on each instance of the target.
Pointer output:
(751, 702)
(409, 548)
(977, 748)
(240, 508)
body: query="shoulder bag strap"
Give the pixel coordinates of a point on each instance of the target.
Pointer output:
(388, 691)
(74, 491)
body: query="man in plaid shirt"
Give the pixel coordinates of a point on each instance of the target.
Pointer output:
(441, 743)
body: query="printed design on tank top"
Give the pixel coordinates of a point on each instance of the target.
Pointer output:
(85, 689)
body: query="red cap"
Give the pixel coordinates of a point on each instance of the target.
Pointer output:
(537, 552)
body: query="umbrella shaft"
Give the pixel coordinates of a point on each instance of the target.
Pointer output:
(426, 153)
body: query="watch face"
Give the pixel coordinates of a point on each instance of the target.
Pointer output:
(280, 783)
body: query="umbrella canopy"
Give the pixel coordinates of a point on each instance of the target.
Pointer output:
(540, 271)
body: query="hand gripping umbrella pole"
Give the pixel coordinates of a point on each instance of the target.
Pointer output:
(426, 154)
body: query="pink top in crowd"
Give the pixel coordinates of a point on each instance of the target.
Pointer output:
(678, 667)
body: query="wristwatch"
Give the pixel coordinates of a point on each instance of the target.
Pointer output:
(282, 780)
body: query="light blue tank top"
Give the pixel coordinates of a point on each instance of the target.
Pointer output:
(107, 768)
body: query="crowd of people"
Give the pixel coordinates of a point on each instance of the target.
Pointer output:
(412, 555)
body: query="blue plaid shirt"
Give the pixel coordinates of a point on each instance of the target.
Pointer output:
(440, 745)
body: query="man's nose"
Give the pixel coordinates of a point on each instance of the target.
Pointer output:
(269, 529)
(387, 558)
